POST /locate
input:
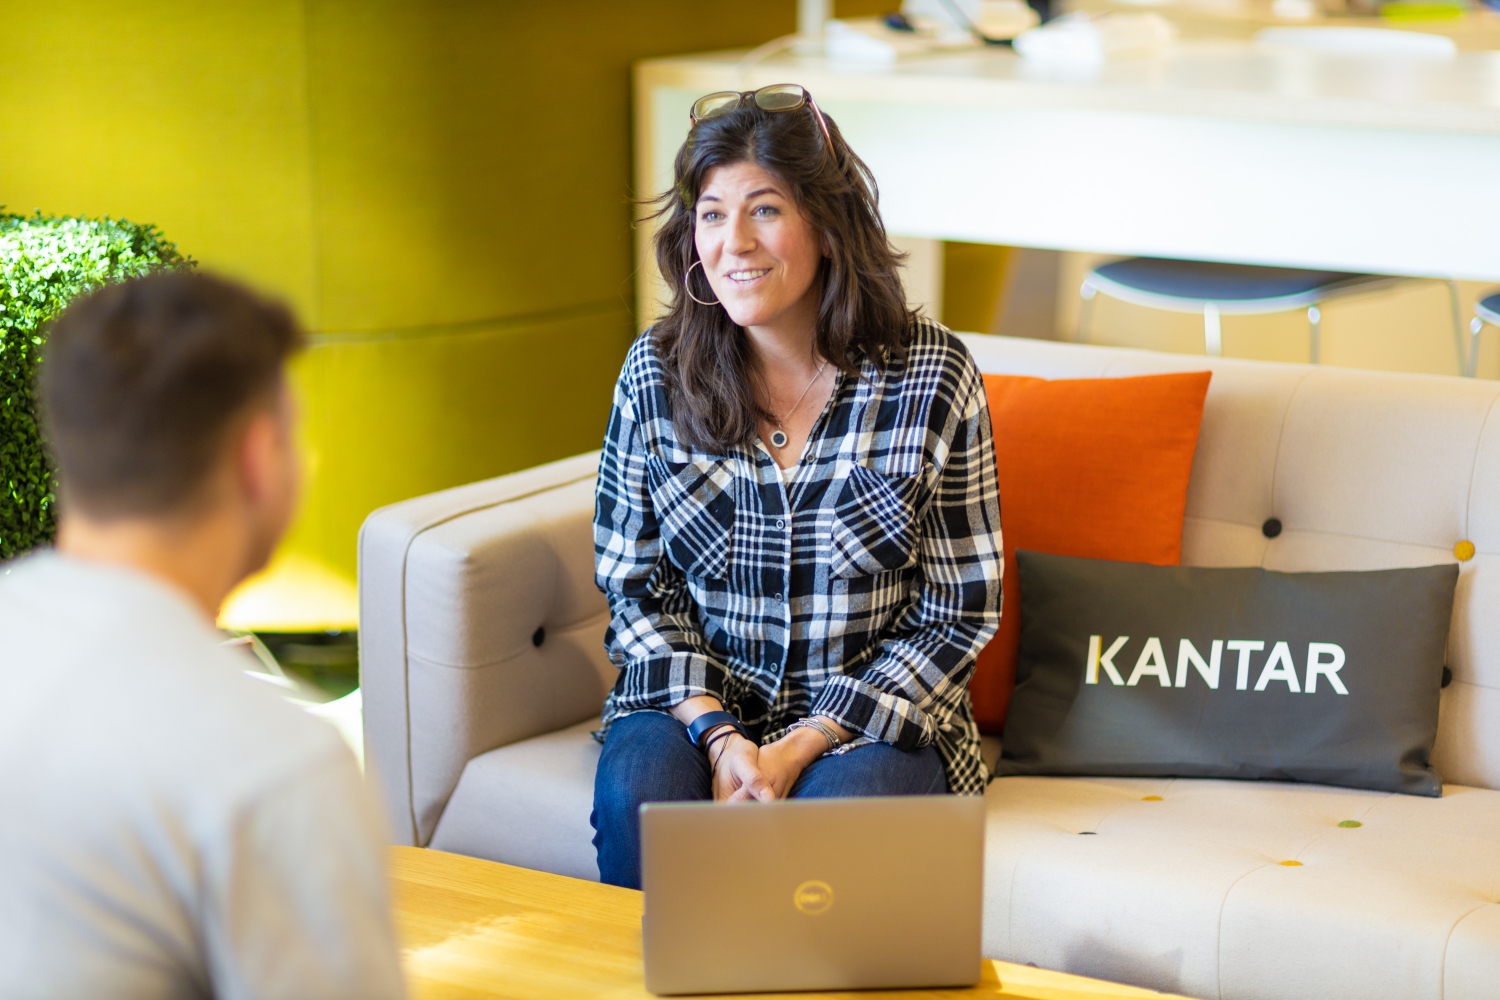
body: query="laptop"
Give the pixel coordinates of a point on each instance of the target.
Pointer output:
(812, 894)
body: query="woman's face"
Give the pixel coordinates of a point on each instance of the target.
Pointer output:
(759, 252)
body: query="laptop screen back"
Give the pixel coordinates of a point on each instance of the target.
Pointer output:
(812, 894)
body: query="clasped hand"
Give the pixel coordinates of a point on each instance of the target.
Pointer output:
(744, 772)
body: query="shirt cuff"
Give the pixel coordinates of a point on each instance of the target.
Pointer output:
(871, 712)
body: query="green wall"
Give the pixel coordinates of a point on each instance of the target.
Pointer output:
(441, 190)
(192, 116)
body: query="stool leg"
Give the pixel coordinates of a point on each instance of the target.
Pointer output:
(1476, 327)
(1213, 336)
(1085, 312)
(1315, 328)
(1465, 364)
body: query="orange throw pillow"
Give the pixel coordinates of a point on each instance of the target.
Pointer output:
(1088, 467)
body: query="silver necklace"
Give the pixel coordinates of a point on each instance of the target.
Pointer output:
(778, 436)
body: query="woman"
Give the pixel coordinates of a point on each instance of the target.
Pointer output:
(797, 523)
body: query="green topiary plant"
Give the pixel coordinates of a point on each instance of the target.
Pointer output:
(44, 264)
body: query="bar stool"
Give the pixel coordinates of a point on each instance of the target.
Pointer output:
(1217, 290)
(1486, 310)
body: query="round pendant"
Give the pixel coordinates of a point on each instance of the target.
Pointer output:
(778, 438)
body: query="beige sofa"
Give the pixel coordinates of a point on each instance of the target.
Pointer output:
(484, 672)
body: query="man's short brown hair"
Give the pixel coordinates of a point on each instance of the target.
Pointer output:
(142, 383)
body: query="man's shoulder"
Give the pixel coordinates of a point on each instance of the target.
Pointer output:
(141, 687)
(242, 733)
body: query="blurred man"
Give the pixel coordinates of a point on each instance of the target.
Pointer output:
(168, 826)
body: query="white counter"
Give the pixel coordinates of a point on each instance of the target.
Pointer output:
(1218, 151)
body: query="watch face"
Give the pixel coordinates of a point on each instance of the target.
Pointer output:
(710, 720)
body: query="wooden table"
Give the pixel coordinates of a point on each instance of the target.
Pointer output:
(472, 928)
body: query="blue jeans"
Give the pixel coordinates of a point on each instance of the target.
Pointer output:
(647, 758)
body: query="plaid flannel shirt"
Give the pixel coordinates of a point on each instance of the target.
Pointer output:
(861, 590)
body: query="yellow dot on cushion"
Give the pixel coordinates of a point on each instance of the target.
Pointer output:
(1292, 864)
(1350, 824)
(1151, 798)
(1464, 550)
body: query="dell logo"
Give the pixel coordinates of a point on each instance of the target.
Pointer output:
(813, 897)
(1324, 660)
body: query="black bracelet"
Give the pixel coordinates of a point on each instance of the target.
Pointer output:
(709, 720)
(725, 732)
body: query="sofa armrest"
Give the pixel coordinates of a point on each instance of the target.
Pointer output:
(480, 625)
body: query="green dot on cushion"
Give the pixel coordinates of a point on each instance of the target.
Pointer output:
(1350, 824)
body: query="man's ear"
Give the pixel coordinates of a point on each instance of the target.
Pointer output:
(264, 440)
(256, 453)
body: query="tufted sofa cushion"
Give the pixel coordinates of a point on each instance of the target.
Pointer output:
(1183, 885)
(528, 804)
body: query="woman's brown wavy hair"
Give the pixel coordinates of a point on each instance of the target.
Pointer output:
(710, 378)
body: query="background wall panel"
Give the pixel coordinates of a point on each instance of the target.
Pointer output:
(192, 116)
(470, 177)
(446, 406)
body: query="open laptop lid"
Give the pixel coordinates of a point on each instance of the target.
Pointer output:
(812, 894)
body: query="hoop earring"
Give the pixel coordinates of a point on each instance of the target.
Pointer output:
(687, 286)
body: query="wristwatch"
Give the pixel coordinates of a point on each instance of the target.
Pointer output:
(710, 720)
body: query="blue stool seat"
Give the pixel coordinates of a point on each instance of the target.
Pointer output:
(1488, 309)
(1189, 284)
(1244, 289)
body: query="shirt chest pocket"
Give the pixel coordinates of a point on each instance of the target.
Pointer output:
(695, 507)
(876, 523)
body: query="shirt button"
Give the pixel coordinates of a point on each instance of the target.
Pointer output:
(780, 523)
(778, 598)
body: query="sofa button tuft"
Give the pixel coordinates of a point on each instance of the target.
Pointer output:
(1464, 550)
(539, 636)
(1350, 824)
(1271, 528)
(1447, 675)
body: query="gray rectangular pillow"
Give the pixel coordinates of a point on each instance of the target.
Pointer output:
(1129, 669)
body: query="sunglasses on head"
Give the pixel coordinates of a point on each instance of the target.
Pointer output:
(776, 97)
